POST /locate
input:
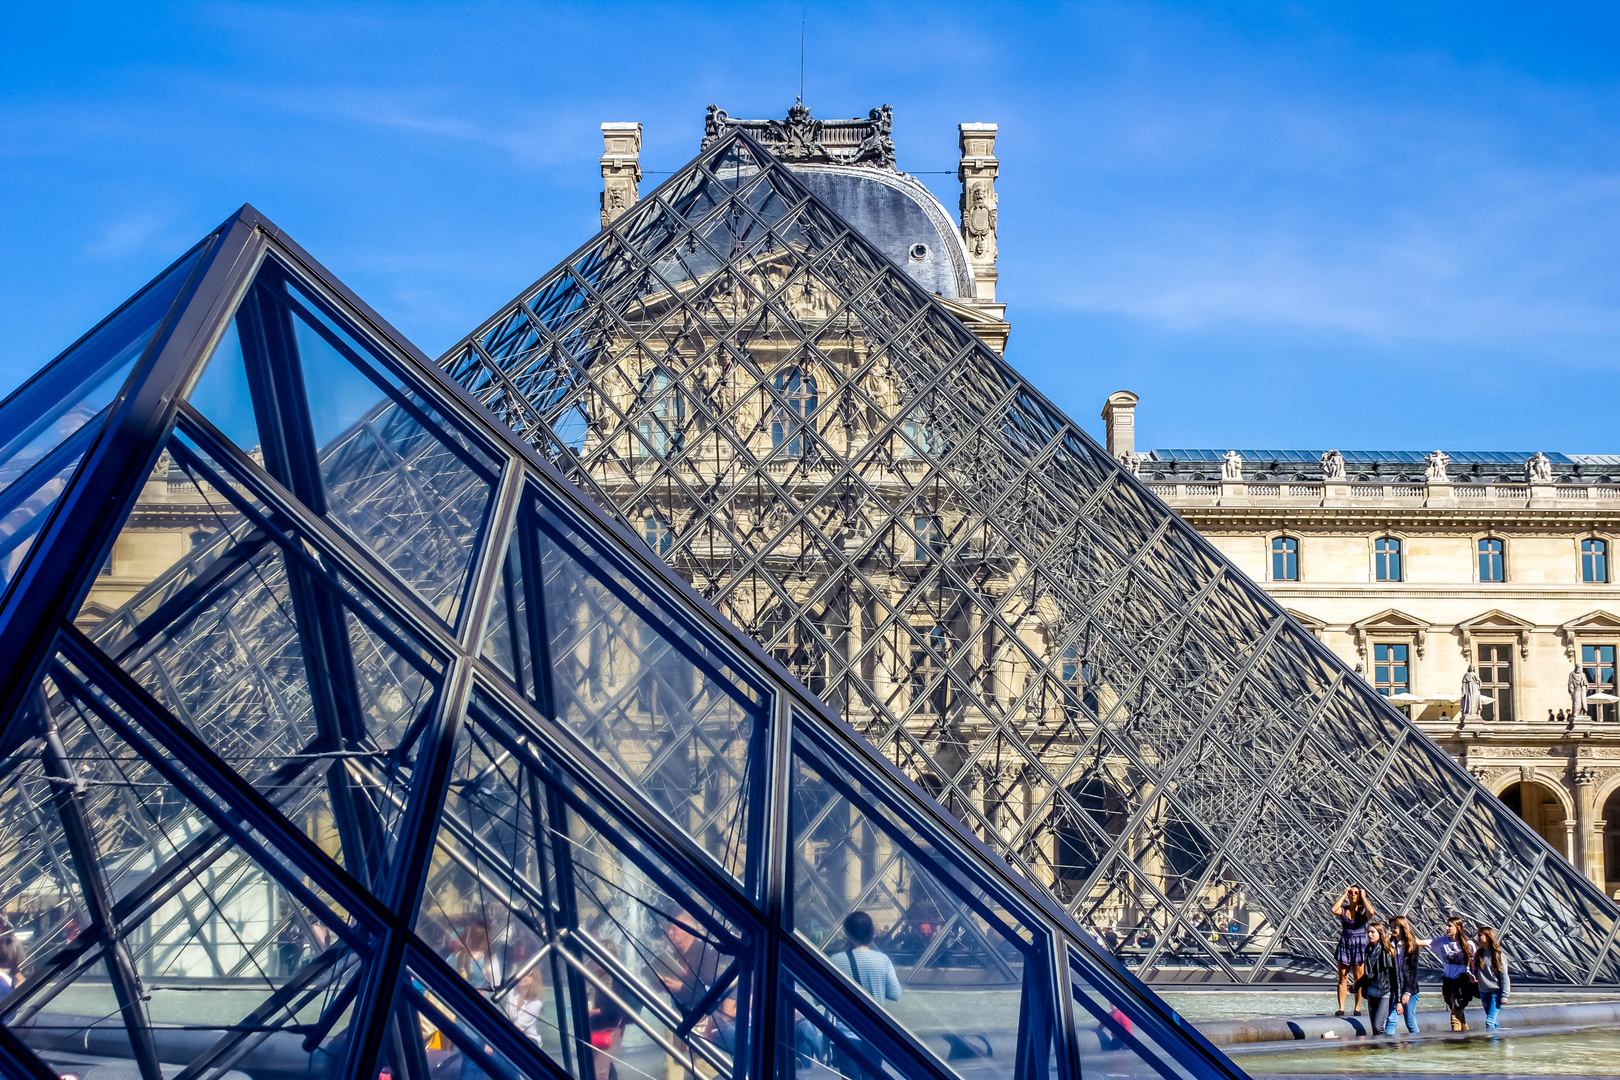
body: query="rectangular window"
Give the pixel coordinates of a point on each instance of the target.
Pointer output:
(1594, 560)
(930, 538)
(1496, 681)
(1390, 670)
(1284, 559)
(1387, 559)
(1491, 566)
(1598, 662)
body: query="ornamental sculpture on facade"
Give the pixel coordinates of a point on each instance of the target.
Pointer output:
(802, 139)
(1333, 465)
(1232, 466)
(979, 223)
(1538, 468)
(1436, 468)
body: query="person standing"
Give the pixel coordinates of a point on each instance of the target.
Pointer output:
(1382, 978)
(1491, 970)
(1455, 953)
(695, 965)
(1354, 912)
(1407, 951)
(872, 971)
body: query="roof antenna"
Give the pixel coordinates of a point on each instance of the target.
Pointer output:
(803, 16)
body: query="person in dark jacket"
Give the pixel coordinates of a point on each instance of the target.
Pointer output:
(1382, 979)
(1407, 950)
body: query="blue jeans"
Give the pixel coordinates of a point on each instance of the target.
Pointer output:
(1491, 1002)
(1408, 1013)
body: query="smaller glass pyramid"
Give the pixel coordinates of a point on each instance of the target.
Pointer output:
(340, 736)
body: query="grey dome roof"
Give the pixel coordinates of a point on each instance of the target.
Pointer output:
(896, 213)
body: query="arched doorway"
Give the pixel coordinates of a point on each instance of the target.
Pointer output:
(1611, 843)
(1079, 848)
(1540, 808)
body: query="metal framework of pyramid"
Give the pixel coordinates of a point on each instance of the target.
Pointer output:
(340, 736)
(837, 464)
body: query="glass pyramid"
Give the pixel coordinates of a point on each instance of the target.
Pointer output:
(340, 736)
(949, 562)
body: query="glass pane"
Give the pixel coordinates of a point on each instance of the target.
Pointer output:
(405, 480)
(816, 1041)
(885, 908)
(46, 426)
(205, 607)
(626, 941)
(647, 694)
(236, 962)
(1115, 1037)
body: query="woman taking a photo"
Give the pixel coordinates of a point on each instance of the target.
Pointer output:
(1456, 954)
(1354, 912)
(1383, 976)
(1407, 949)
(1490, 968)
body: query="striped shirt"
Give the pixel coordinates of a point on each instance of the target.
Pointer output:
(872, 970)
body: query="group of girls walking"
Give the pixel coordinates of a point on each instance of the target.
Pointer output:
(1379, 963)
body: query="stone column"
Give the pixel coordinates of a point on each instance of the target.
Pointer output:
(1569, 840)
(978, 171)
(621, 167)
(1588, 828)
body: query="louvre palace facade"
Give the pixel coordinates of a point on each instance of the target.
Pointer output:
(782, 370)
(1412, 569)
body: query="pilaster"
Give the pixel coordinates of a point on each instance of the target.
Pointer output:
(978, 171)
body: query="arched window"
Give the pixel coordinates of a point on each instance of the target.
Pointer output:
(660, 425)
(1492, 566)
(798, 393)
(1284, 558)
(657, 534)
(1594, 560)
(1387, 559)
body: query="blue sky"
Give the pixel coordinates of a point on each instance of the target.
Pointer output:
(1352, 225)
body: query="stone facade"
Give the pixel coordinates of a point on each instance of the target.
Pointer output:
(1561, 774)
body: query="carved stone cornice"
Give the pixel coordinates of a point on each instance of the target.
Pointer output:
(1464, 521)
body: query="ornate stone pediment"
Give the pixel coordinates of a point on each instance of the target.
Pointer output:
(1391, 622)
(1495, 622)
(1594, 624)
(1316, 626)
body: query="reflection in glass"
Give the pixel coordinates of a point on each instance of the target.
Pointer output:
(46, 425)
(645, 693)
(330, 418)
(887, 911)
(219, 630)
(217, 962)
(626, 947)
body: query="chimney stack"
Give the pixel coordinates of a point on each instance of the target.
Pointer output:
(978, 172)
(1119, 415)
(621, 168)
